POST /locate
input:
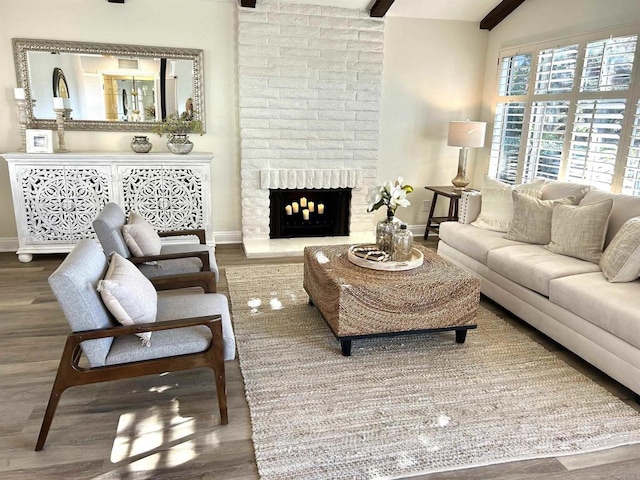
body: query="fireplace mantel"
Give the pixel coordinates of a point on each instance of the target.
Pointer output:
(310, 178)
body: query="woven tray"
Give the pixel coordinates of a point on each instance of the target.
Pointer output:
(388, 265)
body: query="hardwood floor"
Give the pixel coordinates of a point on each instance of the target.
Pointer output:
(167, 427)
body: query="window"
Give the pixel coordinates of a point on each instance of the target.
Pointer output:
(570, 112)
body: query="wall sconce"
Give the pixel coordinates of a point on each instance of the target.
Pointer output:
(465, 135)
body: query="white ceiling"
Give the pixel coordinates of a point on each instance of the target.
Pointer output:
(467, 10)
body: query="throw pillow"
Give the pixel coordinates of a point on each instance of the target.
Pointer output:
(555, 189)
(496, 210)
(532, 218)
(129, 295)
(620, 261)
(140, 236)
(580, 231)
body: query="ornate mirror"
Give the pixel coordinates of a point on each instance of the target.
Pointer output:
(107, 86)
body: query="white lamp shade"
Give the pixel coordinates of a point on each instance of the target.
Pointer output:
(466, 134)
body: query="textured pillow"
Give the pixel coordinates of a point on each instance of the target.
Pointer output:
(532, 218)
(140, 236)
(620, 261)
(554, 189)
(496, 210)
(580, 231)
(129, 295)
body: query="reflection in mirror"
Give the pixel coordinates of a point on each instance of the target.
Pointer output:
(106, 86)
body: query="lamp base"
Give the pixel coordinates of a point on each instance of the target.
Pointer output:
(461, 181)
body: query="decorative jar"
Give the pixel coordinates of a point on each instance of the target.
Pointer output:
(141, 144)
(402, 244)
(384, 232)
(180, 144)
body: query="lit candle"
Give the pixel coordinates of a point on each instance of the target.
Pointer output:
(303, 202)
(312, 207)
(18, 94)
(320, 208)
(305, 214)
(58, 102)
(294, 206)
(287, 209)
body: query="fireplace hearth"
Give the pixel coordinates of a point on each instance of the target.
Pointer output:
(309, 212)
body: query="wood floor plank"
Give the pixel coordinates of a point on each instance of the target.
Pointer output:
(167, 427)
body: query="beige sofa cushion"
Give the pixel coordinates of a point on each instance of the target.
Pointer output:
(553, 190)
(624, 208)
(579, 231)
(620, 261)
(496, 210)
(532, 218)
(615, 307)
(140, 236)
(473, 241)
(533, 266)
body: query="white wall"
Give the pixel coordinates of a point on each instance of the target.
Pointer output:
(433, 72)
(542, 20)
(205, 24)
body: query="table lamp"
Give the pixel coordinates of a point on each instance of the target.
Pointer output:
(465, 135)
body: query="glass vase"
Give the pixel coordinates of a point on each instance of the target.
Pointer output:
(384, 232)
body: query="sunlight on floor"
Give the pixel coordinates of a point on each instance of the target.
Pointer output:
(139, 436)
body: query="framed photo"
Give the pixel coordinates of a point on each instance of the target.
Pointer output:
(39, 141)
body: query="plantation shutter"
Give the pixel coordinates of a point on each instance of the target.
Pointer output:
(547, 128)
(631, 178)
(594, 141)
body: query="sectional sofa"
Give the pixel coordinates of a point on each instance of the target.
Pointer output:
(567, 298)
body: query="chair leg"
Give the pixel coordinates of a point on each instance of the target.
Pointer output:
(56, 392)
(218, 369)
(70, 353)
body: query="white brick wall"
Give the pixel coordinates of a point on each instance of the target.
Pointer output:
(309, 82)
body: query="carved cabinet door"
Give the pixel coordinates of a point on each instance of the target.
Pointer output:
(168, 197)
(60, 203)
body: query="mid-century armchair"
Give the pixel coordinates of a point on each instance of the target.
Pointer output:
(191, 330)
(174, 259)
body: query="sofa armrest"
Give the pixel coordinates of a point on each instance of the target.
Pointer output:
(469, 207)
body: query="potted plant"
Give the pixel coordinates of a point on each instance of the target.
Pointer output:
(177, 126)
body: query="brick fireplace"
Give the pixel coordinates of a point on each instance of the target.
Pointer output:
(309, 82)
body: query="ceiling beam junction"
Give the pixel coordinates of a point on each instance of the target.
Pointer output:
(380, 8)
(502, 11)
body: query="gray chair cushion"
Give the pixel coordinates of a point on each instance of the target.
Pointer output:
(74, 284)
(174, 304)
(107, 226)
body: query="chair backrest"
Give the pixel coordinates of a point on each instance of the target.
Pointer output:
(107, 226)
(74, 284)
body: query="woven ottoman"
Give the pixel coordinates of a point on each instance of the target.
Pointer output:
(358, 302)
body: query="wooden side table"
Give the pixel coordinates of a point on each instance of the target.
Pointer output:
(433, 223)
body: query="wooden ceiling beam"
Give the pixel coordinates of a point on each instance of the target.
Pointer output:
(248, 3)
(502, 11)
(380, 8)
(115, 1)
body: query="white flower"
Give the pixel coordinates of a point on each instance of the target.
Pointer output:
(392, 194)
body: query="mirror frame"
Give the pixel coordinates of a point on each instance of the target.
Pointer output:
(22, 46)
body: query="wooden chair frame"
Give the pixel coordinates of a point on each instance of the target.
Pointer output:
(70, 373)
(203, 256)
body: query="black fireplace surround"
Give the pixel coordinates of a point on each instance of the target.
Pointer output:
(334, 221)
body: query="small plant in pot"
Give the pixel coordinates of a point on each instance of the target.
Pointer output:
(177, 126)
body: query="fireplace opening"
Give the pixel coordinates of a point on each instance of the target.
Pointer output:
(309, 212)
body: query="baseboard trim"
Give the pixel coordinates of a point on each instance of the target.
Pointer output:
(228, 237)
(9, 244)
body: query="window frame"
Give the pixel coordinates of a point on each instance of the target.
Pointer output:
(630, 95)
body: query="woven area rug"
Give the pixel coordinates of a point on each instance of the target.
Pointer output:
(406, 405)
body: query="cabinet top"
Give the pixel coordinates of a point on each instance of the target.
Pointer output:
(165, 157)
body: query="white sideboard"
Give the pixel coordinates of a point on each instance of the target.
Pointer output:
(57, 196)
